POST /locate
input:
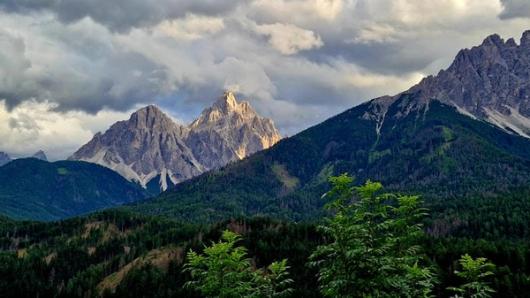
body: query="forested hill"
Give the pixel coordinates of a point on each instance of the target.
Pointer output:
(119, 254)
(34, 189)
(429, 149)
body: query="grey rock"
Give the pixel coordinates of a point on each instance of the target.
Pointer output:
(40, 155)
(150, 144)
(229, 131)
(142, 147)
(489, 82)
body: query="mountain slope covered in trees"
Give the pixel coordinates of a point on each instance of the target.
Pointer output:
(121, 254)
(432, 149)
(35, 189)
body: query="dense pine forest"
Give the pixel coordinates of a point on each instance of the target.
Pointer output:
(117, 253)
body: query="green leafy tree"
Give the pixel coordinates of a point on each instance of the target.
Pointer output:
(373, 246)
(225, 271)
(474, 273)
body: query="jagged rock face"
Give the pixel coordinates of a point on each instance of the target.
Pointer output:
(490, 82)
(228, 131)
(4, 158)
(150, 144)
(40, 155)
(142, 147)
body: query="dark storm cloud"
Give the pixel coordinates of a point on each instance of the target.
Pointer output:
(515, 9)
(98, 76)
(121, 15)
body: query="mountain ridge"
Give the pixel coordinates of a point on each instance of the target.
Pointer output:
(411, 142)
(490, 82)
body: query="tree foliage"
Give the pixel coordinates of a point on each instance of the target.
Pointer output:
(474, 274)
(374, 244)
(225, 271)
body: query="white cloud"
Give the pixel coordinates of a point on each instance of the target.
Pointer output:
(290, 39)
(191, 27)
(376, 33)
(301, 10)
(33, 126)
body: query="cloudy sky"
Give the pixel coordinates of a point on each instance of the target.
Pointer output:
(70, 68)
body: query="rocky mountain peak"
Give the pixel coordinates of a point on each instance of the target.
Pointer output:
(224, 112)
(150, 145)
(489, 82)
(511, 42)
(141, 147)
(227, 102)
(40, 155)
(525, 39)
(493, 40)
(150, 117)
(237, 131)
(150, 111)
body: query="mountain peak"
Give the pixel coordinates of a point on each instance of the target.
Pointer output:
(225, 108)
(489, 82)
(240, 130)
(494, 40)
(150, 117)
(40, 155)
(511, 42)
(227, 102)
(149, 108)
(150, 111)
(525, 39)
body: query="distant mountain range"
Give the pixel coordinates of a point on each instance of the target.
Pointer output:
(153, 150)
(458, 139)
(441, 138)
(460, 134)
(149, 150)
(5, 158)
